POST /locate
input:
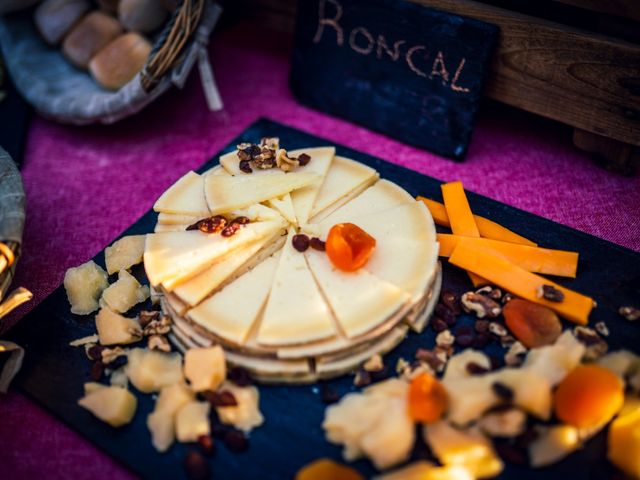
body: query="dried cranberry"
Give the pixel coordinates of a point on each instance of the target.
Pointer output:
(95, 352)
(196, 466)
(317, 244)
(464, 330)
(245, 166)
(220, 399)
(476, 369)
(239, 376)
(451, 300)
(445, 314)
(97, 371)
(481, 326)
(230, 230)
(300, 242)
(206, 445)
(147, 316)
(503, 391)
(328, 395)
(438, 325)
(303, 159)
(236, 441)
(464, 340)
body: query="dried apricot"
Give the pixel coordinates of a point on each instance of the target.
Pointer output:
(588, 396)
(325, 469)
(427, 399)
(349, 247)
(534, 325)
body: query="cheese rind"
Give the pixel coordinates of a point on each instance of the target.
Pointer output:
(185, 197)
(224, 315)
(295, 312)
(376, 300)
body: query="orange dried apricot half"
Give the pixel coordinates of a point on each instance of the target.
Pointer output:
(427, 399)
(325, 469)
(349, 247)
(534, 325)
(589, 396)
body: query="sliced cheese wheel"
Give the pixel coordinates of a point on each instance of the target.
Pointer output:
(377, 300)
(303, 199)
(185, 197)
(295, 312)
(408, 264)
(411, 221)
(285, 206)
(161, 228)
(226, 316)
(379, 197)
(199, 287)
(178, 219)
(231, 164)
(172, 258)
(225, 194)
(344, 177)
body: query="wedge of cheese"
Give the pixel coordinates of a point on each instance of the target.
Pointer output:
(160, 228)
(343, 178)
(377, 299)
(295, 312)
(411, 221)
(379, 197)
(199, 287)
(229, 318)
(303, 199)
(284, 205)
(178, 219)
(225, 194)
(407, 264)
(185, 197)
(172, 258)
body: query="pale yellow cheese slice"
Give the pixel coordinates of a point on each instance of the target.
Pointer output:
(231, 312)
(178, 219)
(304, 198)
(285, 206)
(411, 221)
(344, 177)
(162, 228)
(359, 300)
(225, 194)
(408, 264)
(185, 197)
(295, 312)
(379, 197)
(172, 258)
(199, 287)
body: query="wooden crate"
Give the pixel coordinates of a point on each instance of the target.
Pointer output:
(571, 74)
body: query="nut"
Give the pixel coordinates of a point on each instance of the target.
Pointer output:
(481, 305)
(551, 293)
(497, 329)
(158, 327)
(493, 293)
(415, 369)
(108, 355)
(506, 298)
(284, 163)
(630, 313)
(435, 360)
(445, 338)
(158, 342)
(515, 355)
(602, 329)
(362, 378)
(272, 143)
(146, 316)
(595, 345)
(245, 166)
(374, 364)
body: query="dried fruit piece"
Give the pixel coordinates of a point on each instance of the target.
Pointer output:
(630, 313)
(300, 242)
(196, 466)
(317, 244)
(349, 247)
(588, 396)
(427, 399)
(534, 325)
(324, 469)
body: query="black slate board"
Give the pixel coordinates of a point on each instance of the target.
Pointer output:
(54, 372)
(411, 72)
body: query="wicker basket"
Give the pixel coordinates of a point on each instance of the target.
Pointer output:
(59, 91)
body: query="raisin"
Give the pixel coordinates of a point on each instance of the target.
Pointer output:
(245, 166)
(220, 399)
(95, 352)
(317, 244)
(236, 441)
(300, 242)
(511, 453)
(465, 340)
(481, 340)
(451, 300)
(445, 314)
(239, 376)
(438, 325)
(481, 326)
(303, 159)
(196, 466)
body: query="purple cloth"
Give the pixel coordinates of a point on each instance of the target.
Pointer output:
(87, 184)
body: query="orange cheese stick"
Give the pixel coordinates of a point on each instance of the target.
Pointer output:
(486, 227)
(532, 259)
(458, 210)
(499, 271)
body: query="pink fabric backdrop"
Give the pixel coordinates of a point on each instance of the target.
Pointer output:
(86, 185)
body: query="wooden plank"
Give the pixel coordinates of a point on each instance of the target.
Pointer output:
(616, 156)
(621, 8)
(561, 73)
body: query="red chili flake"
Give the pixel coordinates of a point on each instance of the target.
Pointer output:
(300, 242)
(206, 445)
(317, 244)
(303, 159)
(196, 466)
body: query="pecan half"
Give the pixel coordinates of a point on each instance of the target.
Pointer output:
(445, 338)
(158, 342)
(630, 313)
(595, 345)
(284, 162)
(551, 293)
(147, 316)
(481, 305)
(108, 355)
(158, 327)
(493, 293)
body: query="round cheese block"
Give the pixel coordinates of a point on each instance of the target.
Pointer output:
(284, 314)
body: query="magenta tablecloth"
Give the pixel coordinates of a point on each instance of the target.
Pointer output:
(86, 185)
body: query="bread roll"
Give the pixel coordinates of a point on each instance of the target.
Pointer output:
(54, 18)
(141, 15)
(89, 36)
(120, 60)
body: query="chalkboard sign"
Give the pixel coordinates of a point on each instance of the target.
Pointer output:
(411, 72)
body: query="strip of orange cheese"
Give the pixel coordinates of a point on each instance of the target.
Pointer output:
(486, 227)
(532, 259)
(499, 271)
